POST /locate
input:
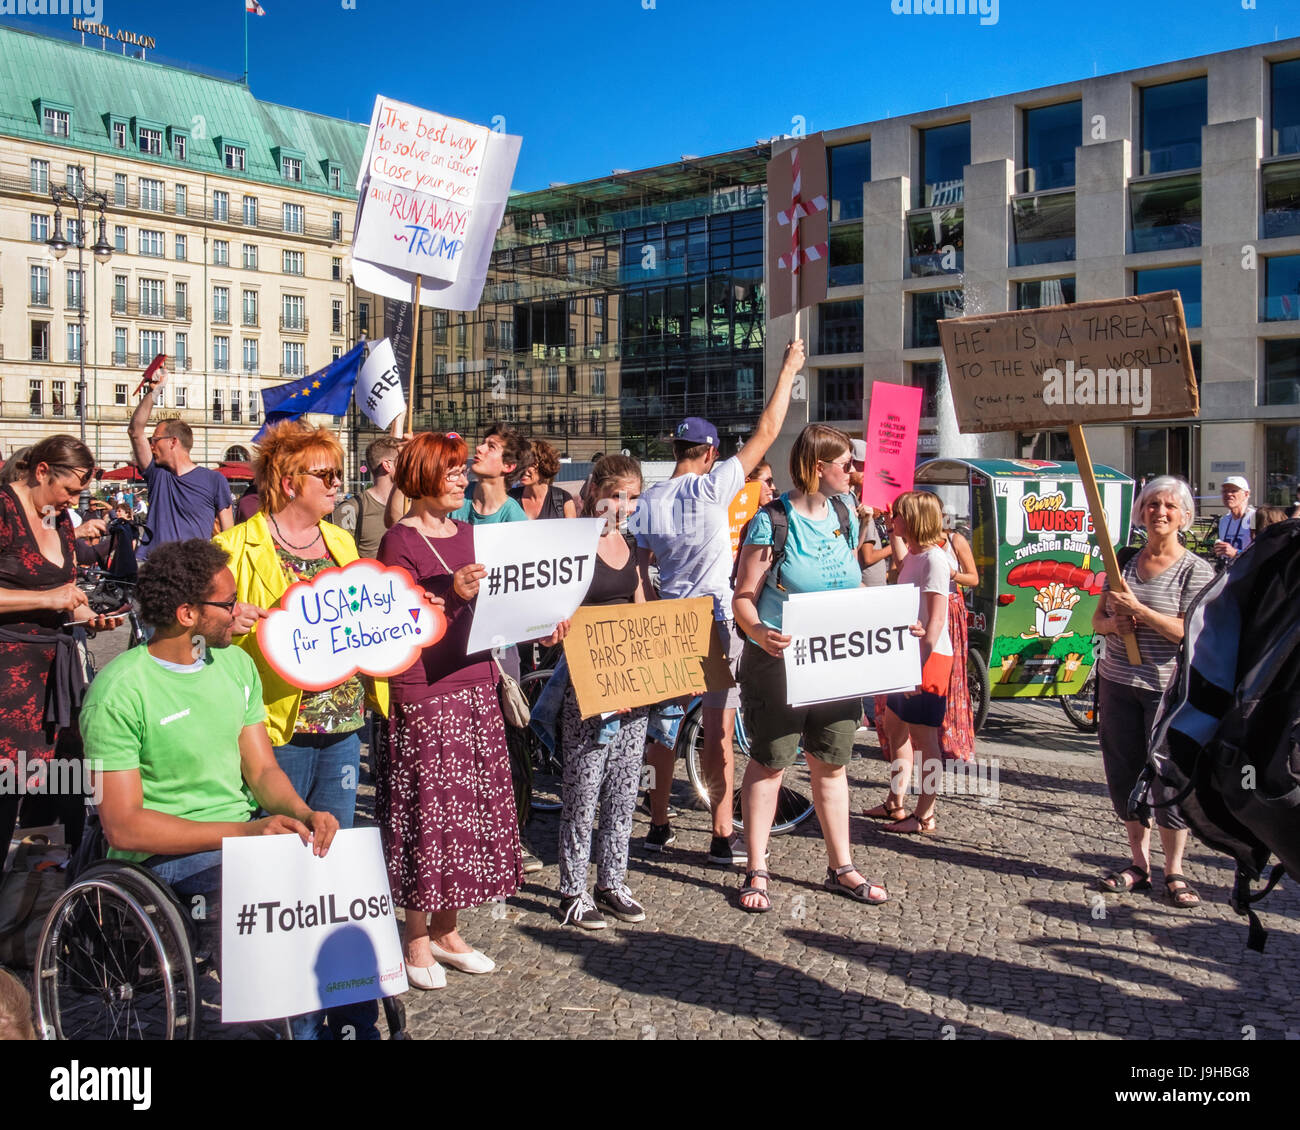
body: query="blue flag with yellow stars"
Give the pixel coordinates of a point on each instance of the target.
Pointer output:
(328, 390)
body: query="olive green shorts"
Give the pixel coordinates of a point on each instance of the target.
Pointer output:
(776, 732)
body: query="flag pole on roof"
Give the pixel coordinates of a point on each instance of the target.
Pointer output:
(257, 10)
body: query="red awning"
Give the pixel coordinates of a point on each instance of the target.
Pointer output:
(236, 472)
(129, 473)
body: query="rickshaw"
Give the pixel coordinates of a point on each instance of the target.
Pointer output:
(1029, 620)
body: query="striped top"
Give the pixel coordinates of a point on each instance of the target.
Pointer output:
(1170, 593)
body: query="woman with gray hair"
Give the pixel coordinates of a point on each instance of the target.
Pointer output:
(1160, 582)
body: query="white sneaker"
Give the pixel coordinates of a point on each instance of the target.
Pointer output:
(426, 976)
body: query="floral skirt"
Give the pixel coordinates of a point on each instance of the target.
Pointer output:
(444, 801)
(957, 735)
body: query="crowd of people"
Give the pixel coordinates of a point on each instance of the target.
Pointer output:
(247, 753)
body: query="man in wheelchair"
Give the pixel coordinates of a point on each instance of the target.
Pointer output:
(174, 734)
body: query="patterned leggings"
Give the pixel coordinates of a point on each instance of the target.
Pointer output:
(598, 775)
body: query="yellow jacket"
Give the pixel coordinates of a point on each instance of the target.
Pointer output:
(260, 580)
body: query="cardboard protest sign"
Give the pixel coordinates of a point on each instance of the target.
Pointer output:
(363, 617)
(301, 933)
(851, 642)
(536, 576)
(625, 655)
(743, 507)
(1092, 362)
(893, 425)
(379, 386)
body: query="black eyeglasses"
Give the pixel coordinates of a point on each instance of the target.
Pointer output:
(228, 605)
(327, 478)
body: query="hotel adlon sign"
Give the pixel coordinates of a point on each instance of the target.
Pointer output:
(86, 27)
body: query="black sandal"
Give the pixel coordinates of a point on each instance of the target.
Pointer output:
(860, 893)
(1116, 884)
(750, 889)
(1185, 895)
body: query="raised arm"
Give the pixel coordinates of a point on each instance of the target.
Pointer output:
(769, 423)
(139, 424)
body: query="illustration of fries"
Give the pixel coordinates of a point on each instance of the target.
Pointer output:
(1009, 667)
(1055, 604)
(1072, 662)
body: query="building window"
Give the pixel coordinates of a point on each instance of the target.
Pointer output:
(74, 341)
(336, 177)
(151, 298)
(119, 294)
(151, 344)
(291, 168)
(234, 406)
(40, 286)
(119, 237)
(179, 391)
(35, 397)
(1285, 106)
(40, 227)
(598, 381)
(218, 407)
(440, 370)
(254, 406)
(1185, 280)
(850, 169)
(40, 171)
(250, 257)
(180, 146)
(1044, 292)
(55, 122)
(363, 318)
(293, 218)
(220, 206)
(1052, 133)
(1173, 115)
(76, 281)
(180, 196)
(1281, 301)
(1282, 465)
(945, 153)
(221, 354)
(250, 308)
(936, 241)
(182, 248)
(926, 375)
(250, 211)
(507, 334)
(839, 327)
(927, 308)
(293, 352)
(336, 225)
(250, 355)
(151, 243)
(336, 269)
(119, 344)
(1281, 200)
(183, 300)
(40, 341)
(440, 327)
(119, 135)
(221, 305)
(460, 331)
(1166, 213)
(182, 360)
(1281, 371)
(336, 316)
(293, 263)
(552, 378)
(1043, 228)
(150, 141)
(119, 395)
(221, 253)
(461, 371)
(841, 393)
(234, 157)
(293, 312)
(570, 378)
(846, 256)
(336, 351)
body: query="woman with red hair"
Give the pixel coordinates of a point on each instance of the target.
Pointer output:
(444, 798)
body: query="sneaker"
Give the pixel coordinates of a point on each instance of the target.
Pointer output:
(659, 837)
(581, 911)
(644, 808)
(620, 903)
(531, 863)
(728, 851)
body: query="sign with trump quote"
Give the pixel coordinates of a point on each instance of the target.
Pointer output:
(1122, 359)
(625, 655)
(365, 617)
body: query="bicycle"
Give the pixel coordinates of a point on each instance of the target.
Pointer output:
(1083, 708)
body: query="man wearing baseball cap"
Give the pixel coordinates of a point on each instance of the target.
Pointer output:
(1236, 525)
(683, 526)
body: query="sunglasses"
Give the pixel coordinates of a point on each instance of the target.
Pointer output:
(767, 482)
(843, 465)
(83, 474)
(228, 605)
(329, 477)
(155, 440)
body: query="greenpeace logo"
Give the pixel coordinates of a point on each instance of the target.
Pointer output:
(174, 717)
(75, 1083)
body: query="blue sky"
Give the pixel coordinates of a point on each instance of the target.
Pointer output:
(594, 85)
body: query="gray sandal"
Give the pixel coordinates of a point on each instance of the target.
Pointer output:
(750, 889)
(860, 893)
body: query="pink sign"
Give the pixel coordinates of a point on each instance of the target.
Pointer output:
(892, 427)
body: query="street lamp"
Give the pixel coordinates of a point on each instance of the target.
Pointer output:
(102, 250)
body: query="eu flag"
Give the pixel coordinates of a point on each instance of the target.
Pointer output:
(328, 390)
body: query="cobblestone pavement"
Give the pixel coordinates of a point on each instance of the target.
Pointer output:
(993, 929)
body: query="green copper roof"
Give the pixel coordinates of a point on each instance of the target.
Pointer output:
(96, 84)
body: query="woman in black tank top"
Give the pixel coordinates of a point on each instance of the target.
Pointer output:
(534, 487)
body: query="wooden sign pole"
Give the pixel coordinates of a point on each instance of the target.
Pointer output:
(1089, 477)
(415, 348)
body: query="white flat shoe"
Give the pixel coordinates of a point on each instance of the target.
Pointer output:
(472, 962)
(426, 976)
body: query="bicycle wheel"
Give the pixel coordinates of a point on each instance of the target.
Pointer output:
(977, 680)
(531, 759)
(1083, 707)
(794, 803)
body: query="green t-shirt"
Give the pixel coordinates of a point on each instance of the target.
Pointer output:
(509, 511)
(180, 729)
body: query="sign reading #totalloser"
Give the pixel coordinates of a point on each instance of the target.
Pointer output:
(364, 617)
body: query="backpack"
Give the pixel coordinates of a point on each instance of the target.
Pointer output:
(1227, 735)
(780, 519)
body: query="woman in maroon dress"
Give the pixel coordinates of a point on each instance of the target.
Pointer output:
(43, 679)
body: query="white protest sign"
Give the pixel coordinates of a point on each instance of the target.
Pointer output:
(423, 150)
(537, 575)
(379, 386)
(364, 617)
(847, 643)
(411, 231)
(299, 932)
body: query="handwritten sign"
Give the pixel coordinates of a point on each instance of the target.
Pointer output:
(412, 230)
(1114, 360)
(743, 507)
(364, 617)
(851, 642)
(625, 655)
(893, 425)
(424, 151)
(300, 932)
(379, 386)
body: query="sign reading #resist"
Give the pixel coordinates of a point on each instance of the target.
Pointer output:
(851, 642)
(365, 617)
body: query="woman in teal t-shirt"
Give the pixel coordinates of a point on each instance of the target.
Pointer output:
(818, 557)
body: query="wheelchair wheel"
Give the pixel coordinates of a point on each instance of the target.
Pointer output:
(794, 803)
(114, 961)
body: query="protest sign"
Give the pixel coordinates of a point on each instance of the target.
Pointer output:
(411, 231)
(625, 655)
(423, 150)
(847, 643)
(300, 932)
(363, 617)
(536, 576)
(743, 507)
(1114, 360)
(798, 219)
(893, 424)
(379, 386)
